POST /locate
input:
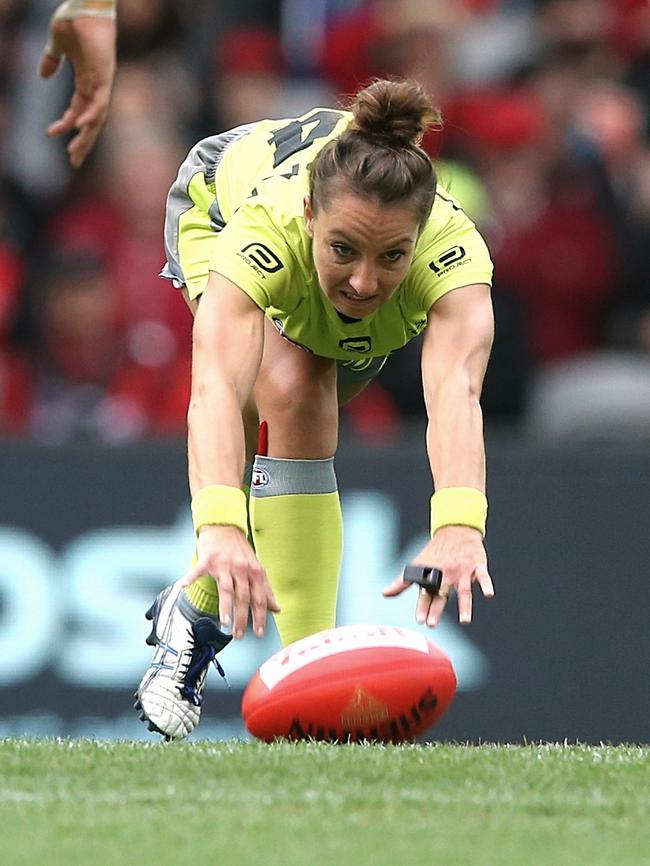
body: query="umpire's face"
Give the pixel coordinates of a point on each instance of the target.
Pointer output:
(362, 250)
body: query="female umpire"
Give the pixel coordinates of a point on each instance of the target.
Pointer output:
(309, 250)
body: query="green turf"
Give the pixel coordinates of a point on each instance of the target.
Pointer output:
(67, 803)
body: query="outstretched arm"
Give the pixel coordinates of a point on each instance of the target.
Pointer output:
(456, 349)
(228, 339)
(84, 32)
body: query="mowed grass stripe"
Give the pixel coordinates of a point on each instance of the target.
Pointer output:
(308, 803)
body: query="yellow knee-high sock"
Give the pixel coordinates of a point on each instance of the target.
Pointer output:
(297, 528)
(203, 594)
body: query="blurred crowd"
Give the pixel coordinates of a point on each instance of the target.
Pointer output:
(546, 143)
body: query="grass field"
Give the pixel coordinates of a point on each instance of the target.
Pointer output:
(64, 803)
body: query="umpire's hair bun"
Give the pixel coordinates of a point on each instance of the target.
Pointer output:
(393, 113)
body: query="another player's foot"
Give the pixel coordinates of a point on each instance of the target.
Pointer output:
(170, 693)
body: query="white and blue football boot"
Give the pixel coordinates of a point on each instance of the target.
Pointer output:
(170, 694)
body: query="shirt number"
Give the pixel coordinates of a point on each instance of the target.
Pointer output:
(288, 140)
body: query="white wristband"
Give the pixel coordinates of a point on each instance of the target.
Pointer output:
(90, 8)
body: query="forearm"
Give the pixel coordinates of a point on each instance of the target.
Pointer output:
(455, 353)
(455, 442)
(227, 344)
(216, 450)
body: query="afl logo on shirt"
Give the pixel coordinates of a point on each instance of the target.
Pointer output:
(259, 254)
(356, 344)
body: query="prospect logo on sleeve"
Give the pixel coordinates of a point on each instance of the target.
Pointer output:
(452, 258)
(258, 255)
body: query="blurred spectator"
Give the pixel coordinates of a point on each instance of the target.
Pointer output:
(252, 80)
(148, 27)
(492, 45)
(249, 77)
(142, 328)
(79, 378)
(155, 83)
(149, 96)
(552, 240)
(608, 128)
(392, 37)
(586, 23)
(121, 223)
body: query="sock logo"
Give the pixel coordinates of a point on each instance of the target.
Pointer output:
(259, 478)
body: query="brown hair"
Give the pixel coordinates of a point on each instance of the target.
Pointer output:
(378, 156)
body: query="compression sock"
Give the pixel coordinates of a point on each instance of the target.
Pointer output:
(295, 515)
(202, 597)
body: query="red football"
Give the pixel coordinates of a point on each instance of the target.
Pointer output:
(356, 682)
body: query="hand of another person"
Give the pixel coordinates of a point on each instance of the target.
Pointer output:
(224, 553)
(89, 43)
(459, 553)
